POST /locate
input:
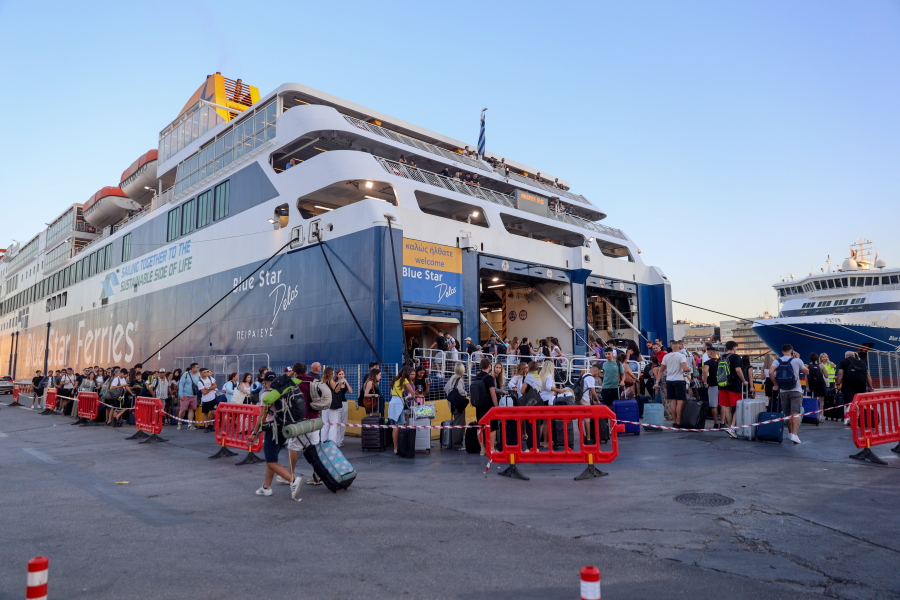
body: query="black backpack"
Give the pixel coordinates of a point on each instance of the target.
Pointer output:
(815, 377)
(578, 388)
(856, 371)
(478, 394)
(441, 343)
(290, 407)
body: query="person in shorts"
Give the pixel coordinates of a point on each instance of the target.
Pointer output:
(189, 381)
(671, 370)
(730, 394)
(272, 443)
(209, 396)
(791, 397)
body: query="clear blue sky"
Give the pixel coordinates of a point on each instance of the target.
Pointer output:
(735, 142)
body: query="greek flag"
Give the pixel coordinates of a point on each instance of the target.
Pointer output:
(481, 136)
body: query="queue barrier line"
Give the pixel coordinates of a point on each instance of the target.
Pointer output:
(586, 422)
(234, 425)
(875, 419)
(797, 416)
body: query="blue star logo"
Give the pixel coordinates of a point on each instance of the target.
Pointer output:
(108, 284)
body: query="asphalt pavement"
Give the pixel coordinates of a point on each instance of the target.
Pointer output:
(119, 519)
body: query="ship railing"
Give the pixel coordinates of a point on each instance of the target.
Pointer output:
(884, 367)
(553, 191)
(455, 185)
(146, 210)
(417, 144)
(164, 198)
(85, 227)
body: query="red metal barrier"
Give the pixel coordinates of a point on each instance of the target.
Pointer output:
(234, 424)
(148, 418)
(18, 390)
(875, 419)
(49, 401)
(588, 442)
(88, 407)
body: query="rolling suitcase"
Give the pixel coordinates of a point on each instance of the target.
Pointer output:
(832, 400)
(643, 401)
(406, 443)
(446, 435)
(810, 405)
(558, 437)
(374, 439)
(746, 412)
(423, 436)
(693, 415)
(770, 432)
(653, 415)
(472, 446)
(628, 410)
(330, 465)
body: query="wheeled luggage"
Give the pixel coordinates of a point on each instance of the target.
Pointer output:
(770, 432)
(746, 412)
(446, 435)
(628, 410)
(406, 443)
(330, 465)
(472, 445)
(653, 415)
(374, 439)
(810, 405)
(643, 401)
(423, 436)
(558, 438)
(832, 400)
(693, 414)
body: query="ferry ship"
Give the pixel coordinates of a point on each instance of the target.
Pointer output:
(854, 309)
(270, 208)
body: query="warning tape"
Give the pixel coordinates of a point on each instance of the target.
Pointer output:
(798, 415)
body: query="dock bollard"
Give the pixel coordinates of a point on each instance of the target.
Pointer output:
(590, 583)
(37, 578)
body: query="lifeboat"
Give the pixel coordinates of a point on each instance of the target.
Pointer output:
(139, 176)
(108, 206)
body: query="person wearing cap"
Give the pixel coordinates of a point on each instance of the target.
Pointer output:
(160, 385)
(470, 347)
(273, 441)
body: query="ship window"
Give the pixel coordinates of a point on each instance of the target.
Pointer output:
(204, 209)
(818, 285)
(853, 282)
(895, 279)
(803, 313)
(821, 311)
(174, 229)
(221, 202)
(868, 281)
(126, 248)
(108, 263)
(885, 280)
(840, 310)
(830, 284)
(837, 283)
(844, 279)
(781, 292)
(187, 217)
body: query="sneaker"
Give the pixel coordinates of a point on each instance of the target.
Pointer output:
(793, 437)
(314, 480)
(295, 487)
(179, 426)
(281, 479)
(264, 491)
(731, 432)
(190, 427)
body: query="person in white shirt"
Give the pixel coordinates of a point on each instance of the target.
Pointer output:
(66, 388)
(119, 381)
(208, 390)
(674, 366)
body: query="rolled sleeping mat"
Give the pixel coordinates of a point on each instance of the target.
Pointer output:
(302, 428)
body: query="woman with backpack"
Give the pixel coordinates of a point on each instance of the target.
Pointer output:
(747, 368)
(817, 382)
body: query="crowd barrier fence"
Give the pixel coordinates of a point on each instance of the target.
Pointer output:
(875, 419)
(148, 419)
(49, 401)
(88, 408)
(586, 421)
(234, 424)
